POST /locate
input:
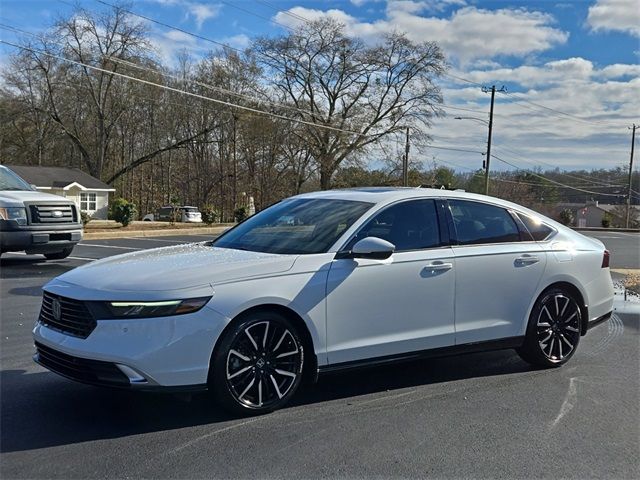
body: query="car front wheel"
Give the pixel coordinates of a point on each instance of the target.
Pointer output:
(258, 365)
(553, 332)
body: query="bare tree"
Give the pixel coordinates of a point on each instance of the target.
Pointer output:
(371, 91)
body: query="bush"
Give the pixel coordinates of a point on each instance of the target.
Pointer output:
(123, 211)
(566, 217)
(606, 220)
(85, 217)
(209, 215)
(240, 214)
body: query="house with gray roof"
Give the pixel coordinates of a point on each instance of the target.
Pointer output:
(89, 194)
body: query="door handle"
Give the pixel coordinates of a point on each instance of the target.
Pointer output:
(527, 260)
(439, 266)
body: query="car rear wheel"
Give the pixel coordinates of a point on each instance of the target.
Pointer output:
(258, 365)
(553, 332)
(59, 255)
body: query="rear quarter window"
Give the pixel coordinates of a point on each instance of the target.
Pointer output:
(538, 230)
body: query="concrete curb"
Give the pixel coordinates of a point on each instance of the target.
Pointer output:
(107, 234)
(601, 229)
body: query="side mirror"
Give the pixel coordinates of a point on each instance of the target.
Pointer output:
(370, 247)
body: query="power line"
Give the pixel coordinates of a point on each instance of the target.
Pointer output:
(462, 79)
(455, 149)
(533, 162)
(202, 97)
(286, 12)
(175, 77)
(451, 107)
(166, 25)
(553, 181)
(555, 111)
(246, 10)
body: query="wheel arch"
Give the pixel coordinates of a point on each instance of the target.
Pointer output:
(573, 290)
(310, 372)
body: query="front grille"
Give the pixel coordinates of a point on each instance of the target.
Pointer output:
(74, 319)
(95, 372)
(53, 213)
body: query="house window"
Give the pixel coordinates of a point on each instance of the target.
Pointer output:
(88, 202)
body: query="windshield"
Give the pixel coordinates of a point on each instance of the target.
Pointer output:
(11, 181)
(296, 226)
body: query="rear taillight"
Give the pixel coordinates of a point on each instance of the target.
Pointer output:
(605, 259)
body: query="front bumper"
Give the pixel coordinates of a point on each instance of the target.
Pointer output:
(38, 239)
(144, 354)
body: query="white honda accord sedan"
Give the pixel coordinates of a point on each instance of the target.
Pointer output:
(322, 282)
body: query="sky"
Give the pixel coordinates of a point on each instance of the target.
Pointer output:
(570, 69)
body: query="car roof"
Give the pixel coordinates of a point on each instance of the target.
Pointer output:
(391, 194)
(385, 195)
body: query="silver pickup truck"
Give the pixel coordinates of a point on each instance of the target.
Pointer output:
(36, 222)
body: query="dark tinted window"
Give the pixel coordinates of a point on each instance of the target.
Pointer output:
(481, 223)
(411, 225)
(295, 226)
(537, 229)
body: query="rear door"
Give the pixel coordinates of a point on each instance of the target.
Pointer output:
(498, 270)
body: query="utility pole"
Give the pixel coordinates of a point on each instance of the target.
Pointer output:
(633, 141)
(405, 162)
(486, 165)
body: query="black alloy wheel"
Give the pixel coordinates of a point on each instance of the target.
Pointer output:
(553, 332)
(259, 364)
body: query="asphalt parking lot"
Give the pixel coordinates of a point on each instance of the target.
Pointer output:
(477, 416)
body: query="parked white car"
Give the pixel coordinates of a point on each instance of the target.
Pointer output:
(186, 214)
(327, 281)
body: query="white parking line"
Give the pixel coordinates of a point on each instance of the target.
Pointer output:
(22, 254)
(108, 246)
(155, 239)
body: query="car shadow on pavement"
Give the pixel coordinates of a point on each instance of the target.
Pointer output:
(32, 267)
(42, 410)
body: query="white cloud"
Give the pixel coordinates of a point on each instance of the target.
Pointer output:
(202, 12)
(619, 15)
(468, 34)
(618, 70)
(240, 41)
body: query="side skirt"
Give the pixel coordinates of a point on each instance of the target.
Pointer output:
(598, 321)
(489, 345)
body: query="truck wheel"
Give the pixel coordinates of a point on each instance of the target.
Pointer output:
(59, 255)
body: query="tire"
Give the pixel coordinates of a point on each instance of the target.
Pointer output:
(553, 332)
(59, 255)
(258, 365)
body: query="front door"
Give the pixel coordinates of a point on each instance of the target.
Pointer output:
(405, 303)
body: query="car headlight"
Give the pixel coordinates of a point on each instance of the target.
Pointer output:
(14, 213)
(135, 309)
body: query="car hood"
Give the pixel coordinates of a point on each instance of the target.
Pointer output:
(17, 197)
(175, 268)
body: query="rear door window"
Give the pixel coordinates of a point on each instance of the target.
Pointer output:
(479, 223)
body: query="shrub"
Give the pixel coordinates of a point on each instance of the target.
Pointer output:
(209, 215)
(606, 220)
(240, 214)
(85, 217)
(123, 211)
(566, 217)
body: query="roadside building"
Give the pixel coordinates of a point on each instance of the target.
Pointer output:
(591, 214)
(89, 194)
